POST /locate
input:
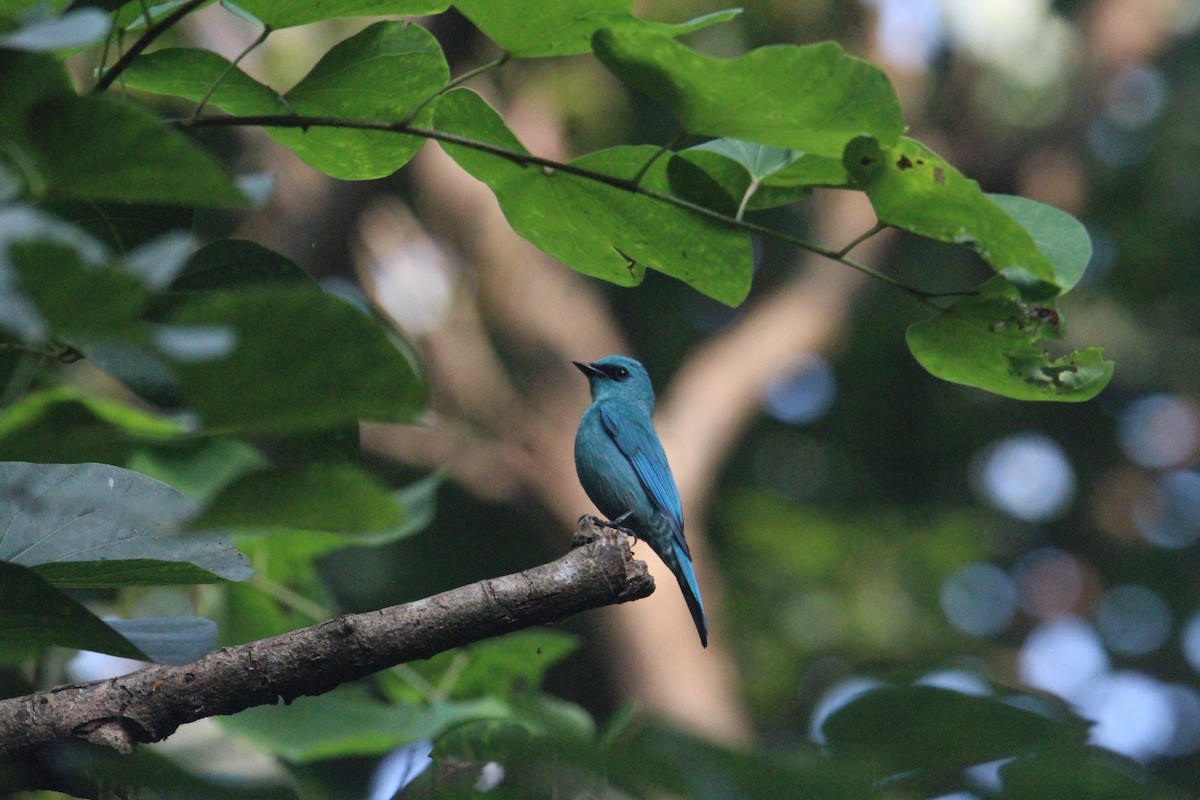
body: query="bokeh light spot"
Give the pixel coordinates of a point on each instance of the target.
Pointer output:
(1061, 657)
(804, 394)
(1049, 582)
(1132, 712)
(1159, 431)
(1133, 620)
(1174, 521)
(1026, 476)
(979, 599)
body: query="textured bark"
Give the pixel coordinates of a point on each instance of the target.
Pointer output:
(150, 704)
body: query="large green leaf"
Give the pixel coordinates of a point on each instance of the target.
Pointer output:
(600, 230)
(235, 264)
(23, 230)
(1061, 238)
(198, 469)
(33, 614)
(82, 525)
(303, 360)
(286, 13)
(813, 98)
(64, 425)
(533, 28)
(348, 721)
(26, 78)
(78, 302)
(991, 342)
(913, 188)
(383, 73)
(1099, 775)
(96, 148)
(318, 497)
(898, 730)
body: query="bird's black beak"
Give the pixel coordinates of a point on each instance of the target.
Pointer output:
(589, 370)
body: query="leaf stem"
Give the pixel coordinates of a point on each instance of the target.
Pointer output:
(876, 228)
(262, 37)
(135, 49)
(528, 159)
(459, 81)
(666, 148)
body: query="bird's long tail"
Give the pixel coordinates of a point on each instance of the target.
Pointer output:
(681, 565)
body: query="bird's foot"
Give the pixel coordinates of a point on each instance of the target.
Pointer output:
(618, 524)
(583, 533)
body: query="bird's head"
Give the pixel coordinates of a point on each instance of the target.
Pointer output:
(619, 378)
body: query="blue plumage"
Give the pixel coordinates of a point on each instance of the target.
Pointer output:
(624, 470)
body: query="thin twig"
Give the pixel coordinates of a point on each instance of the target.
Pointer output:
(528, 159)
(666, 148)
(876, 228)
(152, 33)
(262, 37)
(459, 81)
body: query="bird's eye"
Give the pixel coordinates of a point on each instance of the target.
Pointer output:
(620, 373)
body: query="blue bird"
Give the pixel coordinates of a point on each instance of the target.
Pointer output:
(623, 469)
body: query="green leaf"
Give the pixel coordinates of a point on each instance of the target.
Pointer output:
(510, 664)
(760, 176)
(991, 342)
(34, 613)
(1062, 238)
(96, 525)
(684, 765)
(348, 721)
(383, 73)
(237, 264)
(64, 425)
(913, 188)
(320, 497)
(597, 229)
(168, 640)
(1096, 775)
(96, 148)
(418, 501)
(26, 78)
(78, 302)
(303, 360)
(286, 13)
(813, 98)
(532, 29)
(902, 729)
(198, 469)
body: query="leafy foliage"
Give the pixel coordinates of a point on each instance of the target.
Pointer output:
(241, 382)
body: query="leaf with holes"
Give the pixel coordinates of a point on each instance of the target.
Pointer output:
(991, 342)
(913, 188)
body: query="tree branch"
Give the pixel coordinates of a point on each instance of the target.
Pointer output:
(150, 704)
(551, 166)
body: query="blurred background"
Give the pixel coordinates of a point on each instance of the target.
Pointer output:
(856, 522)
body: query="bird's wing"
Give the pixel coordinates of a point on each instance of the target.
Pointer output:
(637, 441)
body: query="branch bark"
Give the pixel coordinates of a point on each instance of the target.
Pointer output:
(150, 704)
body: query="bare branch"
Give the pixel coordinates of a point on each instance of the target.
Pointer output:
(150, 704)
